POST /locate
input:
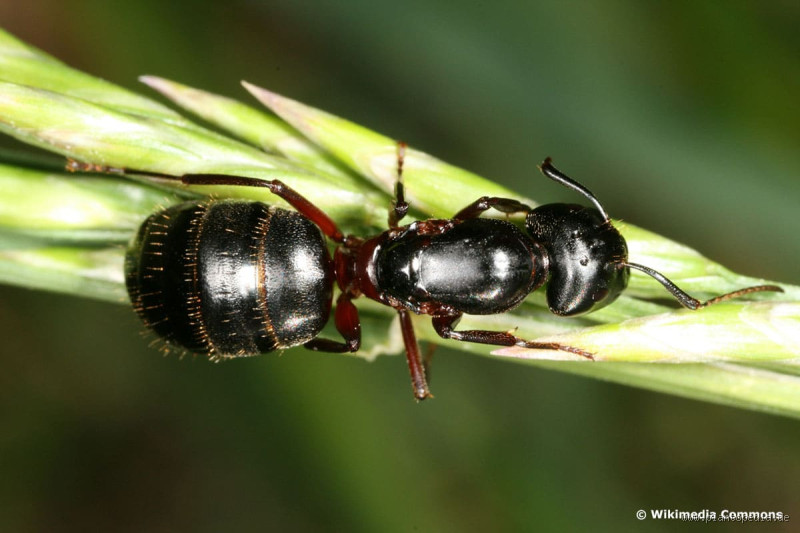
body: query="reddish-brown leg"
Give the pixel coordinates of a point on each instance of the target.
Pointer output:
(79, 166)
(415, 365)
(399, 204)
(444, 327)
(427, 360)
(278, 188)
(347, 324)
(504, 205)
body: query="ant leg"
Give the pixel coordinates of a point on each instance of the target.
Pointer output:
(280, 189)
(399, 204)
(74, 165)
(444, 327)
(504, 205)
(415, 364)
(693, 303)
(347, 324)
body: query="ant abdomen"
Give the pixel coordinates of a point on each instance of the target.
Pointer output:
(230, 278)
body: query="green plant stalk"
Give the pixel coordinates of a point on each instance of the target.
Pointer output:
(766, 387)
(88, 272)
(732, 384)
(60, 207)
(429, 182)
(24, 64)
(250, 125)
(748, 350)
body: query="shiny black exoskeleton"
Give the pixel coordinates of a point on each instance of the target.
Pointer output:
(230, 278)
(479, 266)
(587, 257)
(235, 278)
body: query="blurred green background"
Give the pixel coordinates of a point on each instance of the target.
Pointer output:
(682, 117)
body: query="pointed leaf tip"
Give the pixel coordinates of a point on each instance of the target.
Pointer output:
(154, 82)
(170, 89)
(262, 95)
(297, 114)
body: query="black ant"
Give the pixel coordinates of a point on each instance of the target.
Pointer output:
(234, 278)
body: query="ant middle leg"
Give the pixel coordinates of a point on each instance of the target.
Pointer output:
(416, 364)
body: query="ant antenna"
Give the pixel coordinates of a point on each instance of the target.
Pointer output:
(556, 175)
(693, 303)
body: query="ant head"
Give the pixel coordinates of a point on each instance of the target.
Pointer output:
(588, 258)
(586, 254)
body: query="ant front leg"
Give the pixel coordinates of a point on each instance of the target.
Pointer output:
(444, 327)
(280, 189)
(399, 204)
(504, 205)
(416, 366)
(348, 325)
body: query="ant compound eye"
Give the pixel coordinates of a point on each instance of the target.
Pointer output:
(600, 295)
